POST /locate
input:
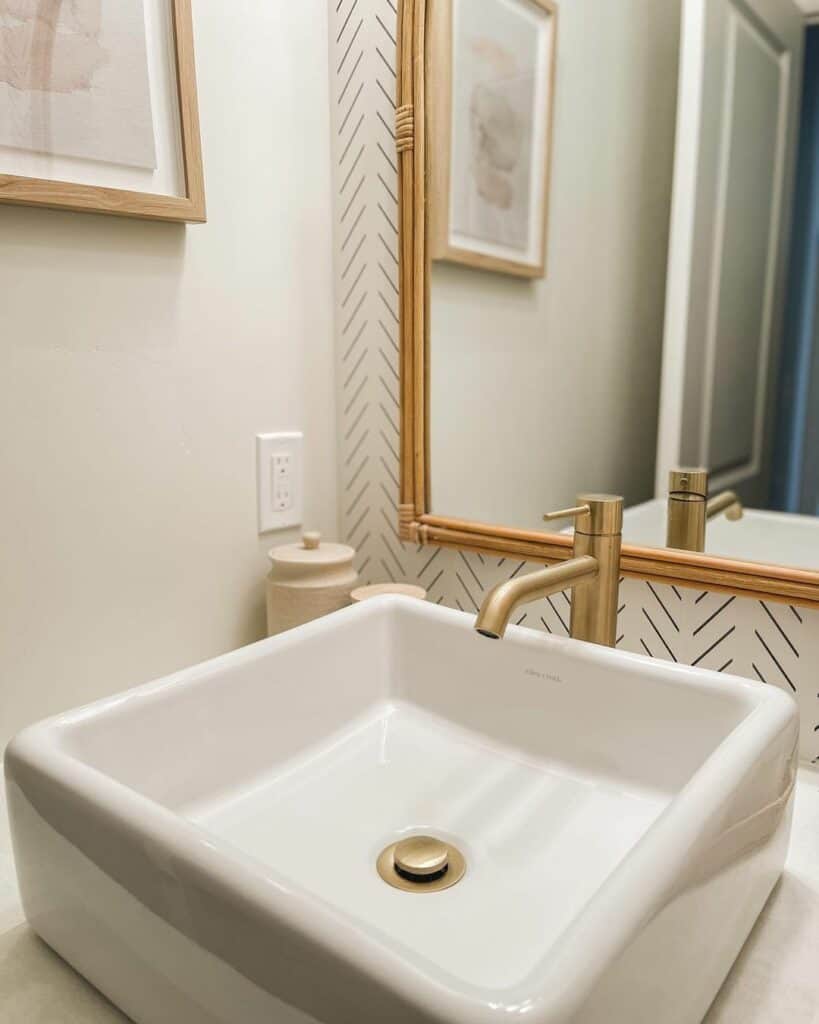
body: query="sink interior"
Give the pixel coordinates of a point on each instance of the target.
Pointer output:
(538, 839)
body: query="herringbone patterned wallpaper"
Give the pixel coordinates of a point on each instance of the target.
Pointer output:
(775, 643)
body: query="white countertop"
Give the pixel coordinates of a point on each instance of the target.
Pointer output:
(774, 981)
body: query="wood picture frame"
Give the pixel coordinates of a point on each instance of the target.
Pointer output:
(188, 207)
(439, 69)
(417, 524)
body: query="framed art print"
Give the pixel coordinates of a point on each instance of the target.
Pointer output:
(98, 108)
(492, 65)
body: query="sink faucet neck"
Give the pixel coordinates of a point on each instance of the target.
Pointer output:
(689, 508)
(593, 574)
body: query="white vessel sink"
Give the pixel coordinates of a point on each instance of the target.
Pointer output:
(777, 538)
(203, 849)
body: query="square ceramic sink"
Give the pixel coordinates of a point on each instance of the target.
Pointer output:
(203, 849)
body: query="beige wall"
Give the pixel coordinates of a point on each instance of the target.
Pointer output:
(542, 389)
(138, 361)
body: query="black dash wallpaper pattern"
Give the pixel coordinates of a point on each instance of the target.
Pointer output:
(775, 643)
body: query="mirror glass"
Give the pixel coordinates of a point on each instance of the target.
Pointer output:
(623, 203)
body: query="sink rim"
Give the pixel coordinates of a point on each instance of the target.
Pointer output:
(558, 983)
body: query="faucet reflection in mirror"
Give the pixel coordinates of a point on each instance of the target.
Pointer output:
(751, 634)
(592, 573)
(689, 508)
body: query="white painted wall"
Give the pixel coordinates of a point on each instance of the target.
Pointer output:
(540, 390)
(137, 361)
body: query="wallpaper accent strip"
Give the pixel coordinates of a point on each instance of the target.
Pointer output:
(775, 643)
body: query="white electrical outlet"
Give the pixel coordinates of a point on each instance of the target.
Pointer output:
(279, 480)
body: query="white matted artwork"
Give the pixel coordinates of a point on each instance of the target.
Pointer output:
(98, 107)
(74, 80)
(493, 66)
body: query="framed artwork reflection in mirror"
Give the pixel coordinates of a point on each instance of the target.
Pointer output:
(491, 74)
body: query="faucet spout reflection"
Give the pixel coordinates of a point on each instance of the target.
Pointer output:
(727, 502)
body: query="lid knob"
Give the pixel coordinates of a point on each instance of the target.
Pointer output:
(311, 540)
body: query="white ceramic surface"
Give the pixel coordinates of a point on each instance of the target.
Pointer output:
(203, 848)
(777, 538)
(773, 979)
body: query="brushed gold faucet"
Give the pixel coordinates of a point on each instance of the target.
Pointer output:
(593, 573)
(689, 508)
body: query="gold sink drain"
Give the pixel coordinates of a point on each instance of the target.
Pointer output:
(421, 864)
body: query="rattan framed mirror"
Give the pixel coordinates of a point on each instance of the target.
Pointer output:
(417, 522)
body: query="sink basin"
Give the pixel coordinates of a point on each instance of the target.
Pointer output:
(203, 848)
(777, 538)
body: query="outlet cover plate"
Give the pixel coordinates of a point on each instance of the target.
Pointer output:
(279, 474)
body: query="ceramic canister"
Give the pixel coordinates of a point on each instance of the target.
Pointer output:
(306, 581)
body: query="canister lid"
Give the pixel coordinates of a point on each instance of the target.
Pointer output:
(311, 554)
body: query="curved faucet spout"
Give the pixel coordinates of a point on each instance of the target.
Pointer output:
(503, 599)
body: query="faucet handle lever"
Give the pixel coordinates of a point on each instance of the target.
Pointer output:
(568, 513)
(597, 515)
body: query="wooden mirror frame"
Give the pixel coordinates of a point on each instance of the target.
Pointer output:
(416, 521)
